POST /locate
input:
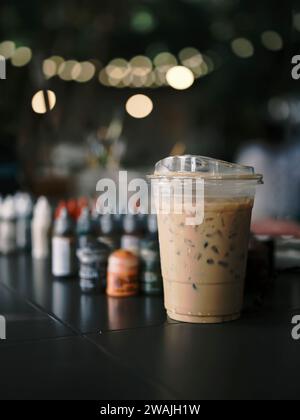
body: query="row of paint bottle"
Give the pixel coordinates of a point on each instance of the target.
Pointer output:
(102, 264)
(15, 223)
(85, 242)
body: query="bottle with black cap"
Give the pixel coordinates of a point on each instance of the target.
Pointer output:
(64, 263)
(93, 258)
(85, 229)
(151, 278)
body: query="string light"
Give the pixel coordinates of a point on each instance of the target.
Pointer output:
(180, 77)
(39, 103)
(242, 47)
(164, 61)
(7, 49)
(190, 57)
(138, 72)
(272, 40)
(103, 78)
(117, 68)
(83, 72)
(65, 70)
(49, 68)
(141, 66)
(21, 56)
(139, 106)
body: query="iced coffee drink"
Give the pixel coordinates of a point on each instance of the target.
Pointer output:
(204, 263)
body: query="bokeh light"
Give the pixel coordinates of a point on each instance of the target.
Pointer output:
(141, 66)
(103, 78)
(164, 61)
(49, 68)
(139, 106)
(21, 56)
(65, 70)
(117, 69)
(7, 49)
(190, 57)
(180, 77)
(39, 101)
(296, 21)
(83, 72)
(272, 40)
(143, 21)
(242, 47)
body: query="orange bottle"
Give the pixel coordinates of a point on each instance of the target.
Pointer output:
(122, 275)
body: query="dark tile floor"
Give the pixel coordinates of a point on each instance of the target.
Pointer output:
(62, 344)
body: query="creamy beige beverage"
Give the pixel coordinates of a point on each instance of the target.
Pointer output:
(204, 264)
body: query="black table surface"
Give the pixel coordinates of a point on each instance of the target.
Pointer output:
(62, 344)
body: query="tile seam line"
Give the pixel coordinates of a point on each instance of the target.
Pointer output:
(40, 308)
(13, 343)
(101, 332)
(117, 360)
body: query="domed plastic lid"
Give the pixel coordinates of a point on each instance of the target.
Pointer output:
(204, 167)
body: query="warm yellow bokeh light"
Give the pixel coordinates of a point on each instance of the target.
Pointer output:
(103, 78)
(150, 80)
(180, 77)
(139, 106)
(49, 68)
(58, 60)
(165, 58)
(272, 40)
(21, 56)
(117, 69)
(164, 61)
(65, 69)
(7, 49)
(160, 78)
(39, 103)
(242, 47)
(190, 57)
(141, 66)
(87, 72)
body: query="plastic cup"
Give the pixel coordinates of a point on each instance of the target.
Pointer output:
(204, 209)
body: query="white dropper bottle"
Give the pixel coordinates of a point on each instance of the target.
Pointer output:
(40, 229)
(8, 226)
(24, 207)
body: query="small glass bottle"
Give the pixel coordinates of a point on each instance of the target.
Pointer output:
(8, 243)
(84, 229)
(109, 232)
(122, 274)
(151, 277)
(41, 229)
(93, 258)
(24, 208)
(64, 263)
(131, 238)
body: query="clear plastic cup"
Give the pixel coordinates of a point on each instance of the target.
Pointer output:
(204, 209)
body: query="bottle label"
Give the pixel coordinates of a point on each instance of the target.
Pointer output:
(63, 257)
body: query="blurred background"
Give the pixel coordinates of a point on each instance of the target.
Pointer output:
(213, 77)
